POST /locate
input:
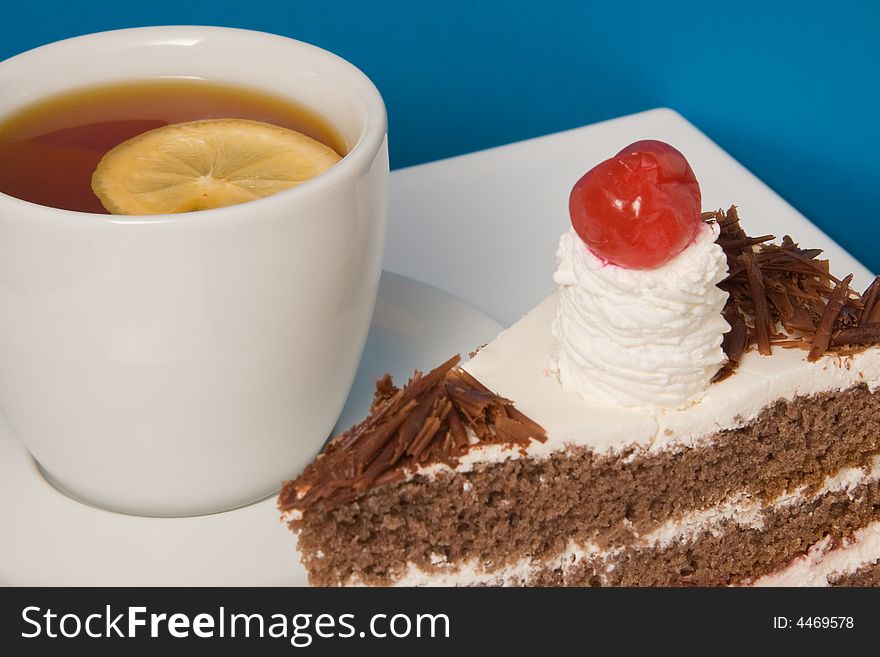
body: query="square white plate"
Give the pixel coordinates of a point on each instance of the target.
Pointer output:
(484, 226)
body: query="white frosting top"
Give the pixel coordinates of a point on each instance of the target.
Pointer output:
(640, 337)
(514, 365)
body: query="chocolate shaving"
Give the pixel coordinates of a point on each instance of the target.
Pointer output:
(745, 241)
(783, 295)
(385, 390)
(760, 310)
(830, 316)
(870, 308)
(867, 334)
(734, 344)
(435, 418)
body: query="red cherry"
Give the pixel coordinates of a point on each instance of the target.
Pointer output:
(638, 209)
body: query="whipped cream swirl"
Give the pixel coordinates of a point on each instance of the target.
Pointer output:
(632, 337)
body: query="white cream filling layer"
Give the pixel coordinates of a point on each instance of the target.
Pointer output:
(822, 562)
(813, 569)
(740, 509)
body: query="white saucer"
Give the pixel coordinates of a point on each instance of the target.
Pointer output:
(51, 539)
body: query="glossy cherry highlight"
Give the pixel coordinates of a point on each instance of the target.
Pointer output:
(638, 209)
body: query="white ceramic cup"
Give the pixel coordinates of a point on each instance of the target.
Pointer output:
(186, 364)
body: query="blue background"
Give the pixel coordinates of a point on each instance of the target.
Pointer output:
(789, 88)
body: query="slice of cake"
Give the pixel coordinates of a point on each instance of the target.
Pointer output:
(693, 406)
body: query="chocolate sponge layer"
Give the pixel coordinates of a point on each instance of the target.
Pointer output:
(500, 513)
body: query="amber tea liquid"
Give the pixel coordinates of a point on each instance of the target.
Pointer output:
(49, 150)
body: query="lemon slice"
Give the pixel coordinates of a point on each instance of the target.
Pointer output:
(207, 164)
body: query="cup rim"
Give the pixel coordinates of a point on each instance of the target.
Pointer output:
(360, 156)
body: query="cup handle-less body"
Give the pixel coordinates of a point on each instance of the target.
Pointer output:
(185, 364)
